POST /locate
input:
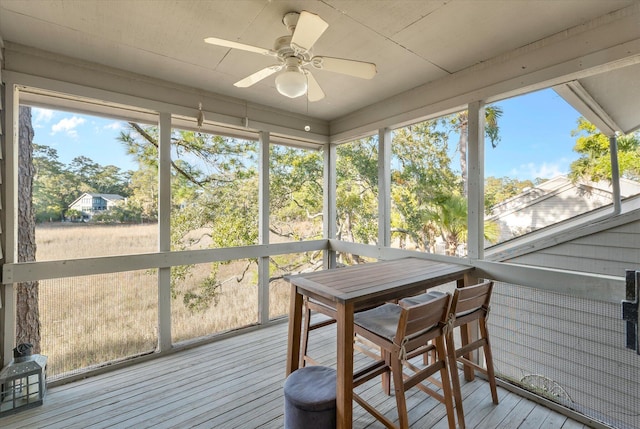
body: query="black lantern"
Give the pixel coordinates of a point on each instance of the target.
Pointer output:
(23, 382)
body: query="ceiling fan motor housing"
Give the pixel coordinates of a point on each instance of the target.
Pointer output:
(283, 47)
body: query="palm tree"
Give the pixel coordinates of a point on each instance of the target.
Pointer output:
(460, 122)
(449, 217)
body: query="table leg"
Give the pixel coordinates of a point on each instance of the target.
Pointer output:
(344, 382)
(295, 324)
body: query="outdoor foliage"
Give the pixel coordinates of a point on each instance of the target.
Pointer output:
(57, 185)
(500, 189)
(595, 159)
(422, 180)
(357, 192)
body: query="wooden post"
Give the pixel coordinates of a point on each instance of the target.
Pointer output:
(384, 187)
(475, 219)
(164, 231)
(10, 217)
(475, 181)
(329, 202)
(263, 227)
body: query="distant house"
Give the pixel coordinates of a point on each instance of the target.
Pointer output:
(91, 204)
(553, 201)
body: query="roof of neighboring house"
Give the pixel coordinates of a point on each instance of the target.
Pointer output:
(108, 197)
(551, 202)
(572, 230)
(556, 185)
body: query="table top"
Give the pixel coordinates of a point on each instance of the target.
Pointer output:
(377, 281)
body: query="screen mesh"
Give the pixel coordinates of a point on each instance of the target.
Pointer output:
(568, 349)
(90, 320)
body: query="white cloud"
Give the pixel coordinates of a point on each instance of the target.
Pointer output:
(113, 126)
(546, 170)
(41, 117)
(68, 126)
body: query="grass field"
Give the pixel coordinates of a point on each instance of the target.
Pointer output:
(91, 320)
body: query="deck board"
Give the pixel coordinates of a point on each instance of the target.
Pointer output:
(237, 383)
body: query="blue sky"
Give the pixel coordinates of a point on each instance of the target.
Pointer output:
(536, 141)
(73, 134)
(535, 132)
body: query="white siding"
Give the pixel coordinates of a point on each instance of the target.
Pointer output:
(608, 252)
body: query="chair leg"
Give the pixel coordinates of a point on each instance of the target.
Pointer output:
(386, 376)
(442, 356)
(305, 336)
(398, 386)
(465, 337)
(455, 379)
(488, 357)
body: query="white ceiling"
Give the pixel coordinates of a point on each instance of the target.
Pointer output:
(412, 42)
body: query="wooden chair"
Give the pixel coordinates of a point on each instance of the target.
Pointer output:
(470, 304)
(309, 306)
(402, 332)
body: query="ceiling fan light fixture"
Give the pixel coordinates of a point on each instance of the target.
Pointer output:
(291, 83)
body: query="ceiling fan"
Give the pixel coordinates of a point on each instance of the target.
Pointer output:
(294, 53)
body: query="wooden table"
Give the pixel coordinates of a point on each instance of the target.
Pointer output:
(352, 288)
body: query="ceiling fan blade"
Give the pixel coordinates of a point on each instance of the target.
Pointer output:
(257, 76)
(236, 45)
(349, 67)
(314, 92)
(308, 30)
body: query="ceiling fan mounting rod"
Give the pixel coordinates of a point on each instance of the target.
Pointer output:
(290, 20)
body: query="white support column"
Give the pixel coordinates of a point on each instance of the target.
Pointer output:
(263, 227)
(384, 187)
(475, 181)
(615, 174)
(10, 213)
(475, 200)
(164, 231)
(329, 201)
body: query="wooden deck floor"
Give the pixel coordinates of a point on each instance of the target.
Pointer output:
(237, 383)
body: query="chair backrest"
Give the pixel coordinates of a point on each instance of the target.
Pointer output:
(422, 322)
(471, 302)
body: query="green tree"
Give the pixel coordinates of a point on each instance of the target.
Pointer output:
(450, 219)
(93, 177)
(422, 179)
(356, 193)
(500, 189)
(73, 215)
(214, 193)
(57, 185)
(54, 188)
(295, 182)
(594, 162)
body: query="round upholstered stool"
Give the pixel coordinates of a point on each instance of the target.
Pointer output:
(310, 398)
